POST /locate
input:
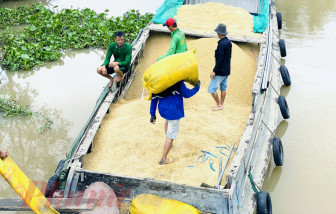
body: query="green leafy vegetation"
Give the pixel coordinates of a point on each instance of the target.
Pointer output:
(47, 33)
(46, 124)
(9, 108)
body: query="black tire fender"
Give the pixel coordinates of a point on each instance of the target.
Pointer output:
(282, 48)
(279, 19)
(278, 153)
(285, 75)
(264, 203)
(283, 107)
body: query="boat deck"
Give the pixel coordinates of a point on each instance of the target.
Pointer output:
(127, 144)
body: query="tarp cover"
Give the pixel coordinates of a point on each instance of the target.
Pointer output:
(167, 10)
(261, 21)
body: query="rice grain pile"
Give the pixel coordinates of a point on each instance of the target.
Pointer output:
(205, 18)
(127, 144)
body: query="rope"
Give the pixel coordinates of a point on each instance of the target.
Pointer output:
(275, 90)
(267, 127)
(252, 182)
(275, 57)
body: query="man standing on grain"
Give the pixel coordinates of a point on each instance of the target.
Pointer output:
(178, 43)
(170, 105)
(221, 71)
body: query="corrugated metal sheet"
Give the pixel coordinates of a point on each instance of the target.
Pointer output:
(250, 6)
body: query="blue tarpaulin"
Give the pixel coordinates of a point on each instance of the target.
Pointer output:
(261, 21)
(167, 10)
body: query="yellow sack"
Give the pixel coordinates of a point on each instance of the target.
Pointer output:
(153, 204)
(25, 187)
(171, 70)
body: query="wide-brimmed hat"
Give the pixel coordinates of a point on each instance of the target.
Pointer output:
(221, 29)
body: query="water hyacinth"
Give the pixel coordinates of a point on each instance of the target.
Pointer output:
(11, 108)
(48, 33)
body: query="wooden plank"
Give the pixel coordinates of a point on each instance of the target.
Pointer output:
(128, 85)
(63, 205)
(205, 199)
(94, 126)
(191, 32)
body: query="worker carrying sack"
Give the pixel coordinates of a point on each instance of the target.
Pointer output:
(171, 70)
(153, 204)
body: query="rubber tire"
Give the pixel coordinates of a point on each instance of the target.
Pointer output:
(282, 48)
(264, 203)
(278, 153)
(283, 107)
(285, 75)
(279, 19)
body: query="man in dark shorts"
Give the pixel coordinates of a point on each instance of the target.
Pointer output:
(122, 53)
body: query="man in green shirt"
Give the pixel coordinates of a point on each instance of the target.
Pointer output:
(122, 53)
(178, 43)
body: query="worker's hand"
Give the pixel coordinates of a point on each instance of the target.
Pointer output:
(112, 64)
(198, 83)
(212, 75)
(3, 154)
(153, 119)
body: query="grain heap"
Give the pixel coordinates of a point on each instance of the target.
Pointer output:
(128, 144)
(205, 18)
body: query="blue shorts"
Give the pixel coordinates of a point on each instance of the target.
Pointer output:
(218, 80)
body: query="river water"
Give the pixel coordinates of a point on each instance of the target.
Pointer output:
(66, 92)
(306, 182)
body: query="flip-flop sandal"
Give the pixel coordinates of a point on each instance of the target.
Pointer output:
(170, 160)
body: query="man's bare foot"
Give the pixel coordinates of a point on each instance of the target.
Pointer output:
(217, 108)
(118, 78)
(166, 161)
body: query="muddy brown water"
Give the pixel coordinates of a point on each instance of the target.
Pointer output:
(67, 90)
(306, 182)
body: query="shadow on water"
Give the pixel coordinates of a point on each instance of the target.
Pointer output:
(273, 174)
(284, 90)
(282, 128)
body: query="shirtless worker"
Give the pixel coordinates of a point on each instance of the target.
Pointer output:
(122, 53)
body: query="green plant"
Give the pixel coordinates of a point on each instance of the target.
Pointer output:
(46, 125)
(11, 108)
(48, 33)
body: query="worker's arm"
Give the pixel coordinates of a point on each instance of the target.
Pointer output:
(186, 92)
(154, 102)
(108, 55)
(219, 57)
(172, 48)
(3, 154)
(128, 58)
